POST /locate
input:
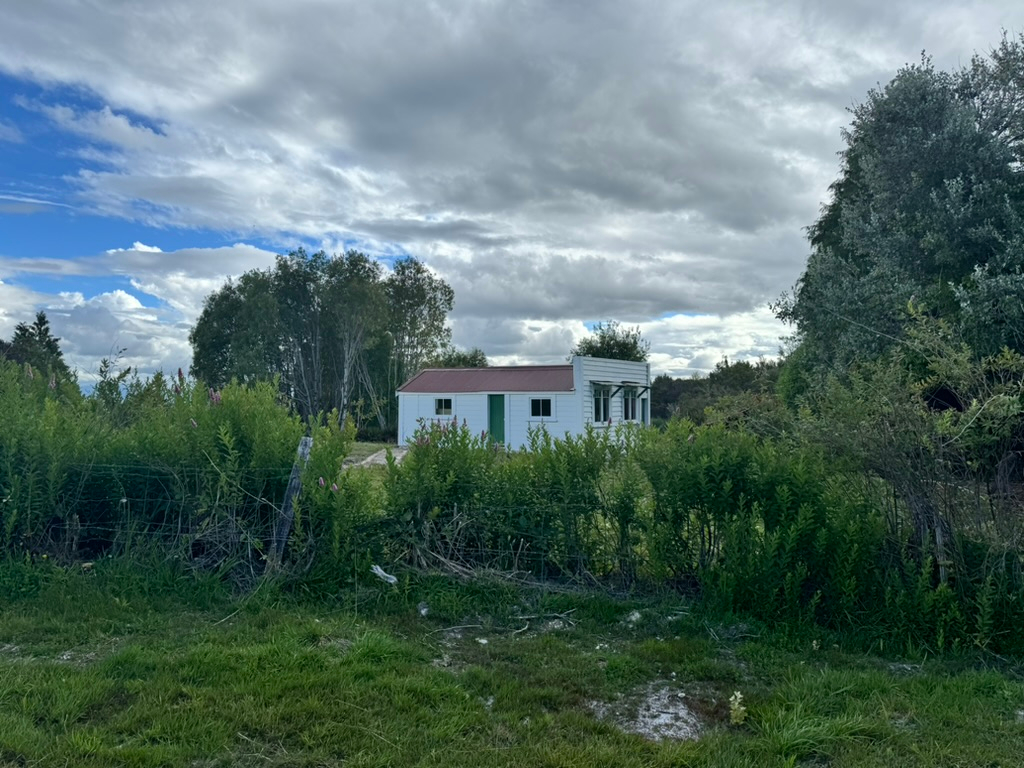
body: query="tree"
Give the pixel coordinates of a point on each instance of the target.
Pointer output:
(689, 398)
(355, 311)
(613, 341)
(909, 322)
(925, 212)
(335, 330)
(665, 393)
(239, 334)
(35, 345)
(453, 357)
(418, 306)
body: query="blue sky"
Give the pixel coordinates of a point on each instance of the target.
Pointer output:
(653, 162)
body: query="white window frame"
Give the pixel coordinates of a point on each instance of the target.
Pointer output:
(439, 406)
(629, 401)
(539, 401)
(602, 400)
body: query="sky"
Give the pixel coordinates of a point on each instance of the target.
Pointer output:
(654, 162)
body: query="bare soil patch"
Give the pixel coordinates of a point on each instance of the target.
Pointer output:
(658, 712)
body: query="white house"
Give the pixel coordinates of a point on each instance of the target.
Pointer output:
(506, 402)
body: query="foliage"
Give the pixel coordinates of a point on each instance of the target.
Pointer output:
(909, 330)
(665, 393)
(926, 211)
(336, 332)
(754, 526)
(199, 469)
(420, 303)
(741, 379)
(34, 345)
(453, 357)
(613, 341)
(866, 535)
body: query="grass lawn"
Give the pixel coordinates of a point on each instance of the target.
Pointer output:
(120, 667)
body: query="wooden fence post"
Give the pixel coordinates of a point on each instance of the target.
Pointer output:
(287, 516)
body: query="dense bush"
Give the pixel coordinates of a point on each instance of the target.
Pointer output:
(200, 470)
(746, 523)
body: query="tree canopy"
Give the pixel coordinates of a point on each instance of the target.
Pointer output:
(35, 345)
(453, 357)
(338, 331)
(613, 341)
(927, 212)
(909, 316)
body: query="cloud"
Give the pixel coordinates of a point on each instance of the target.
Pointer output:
(137, 246)
(17, 304)
(21, 208)
(152, 337)
(556, 163)
(22, 204)
(686, 345)
(10, 133)
(682, 345)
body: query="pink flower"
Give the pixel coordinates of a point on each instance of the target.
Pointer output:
(322, 482)
(181, 377)
(334, 487)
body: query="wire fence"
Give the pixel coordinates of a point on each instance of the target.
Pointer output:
(212, 516)
(761, 531)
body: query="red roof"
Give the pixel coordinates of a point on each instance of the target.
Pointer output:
(518, 378)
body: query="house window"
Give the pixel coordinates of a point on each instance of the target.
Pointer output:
(629, 404)
(540, 407)
(442, 406)
(602, 403)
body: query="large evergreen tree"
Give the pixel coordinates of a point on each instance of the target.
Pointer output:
(34, 344)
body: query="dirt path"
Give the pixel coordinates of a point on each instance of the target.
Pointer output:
(381, 457)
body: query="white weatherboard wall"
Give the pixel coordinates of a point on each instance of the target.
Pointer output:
(472, 407)
(564, 418)
(571, 411)
(590, 370)
(412, 408)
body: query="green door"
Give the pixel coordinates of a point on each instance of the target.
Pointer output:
(496, 417)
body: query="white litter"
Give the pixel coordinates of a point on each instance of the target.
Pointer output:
(380, 574)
